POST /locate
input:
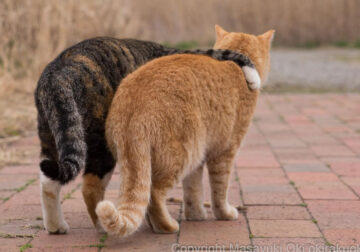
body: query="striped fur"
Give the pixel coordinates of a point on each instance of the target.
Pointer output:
(73, 96)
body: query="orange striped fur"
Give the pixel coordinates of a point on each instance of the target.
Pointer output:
(168, 119)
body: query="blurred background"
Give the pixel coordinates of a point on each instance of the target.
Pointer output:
(316, 47)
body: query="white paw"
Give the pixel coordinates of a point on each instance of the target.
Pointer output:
(252, 77)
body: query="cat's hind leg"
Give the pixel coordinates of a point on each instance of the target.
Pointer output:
(167, 171)
(158, 215)
(53, 217)
(219, 168)
(193, 195)
(98, 171)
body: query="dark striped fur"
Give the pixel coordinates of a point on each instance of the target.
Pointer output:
(73, 96)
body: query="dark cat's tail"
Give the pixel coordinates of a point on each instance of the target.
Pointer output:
(54, 94)
(248, 67)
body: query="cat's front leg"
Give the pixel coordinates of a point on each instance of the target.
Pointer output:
(219, 168)
(53, 217)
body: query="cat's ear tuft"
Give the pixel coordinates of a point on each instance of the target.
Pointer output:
(268, 36)
(220, 32)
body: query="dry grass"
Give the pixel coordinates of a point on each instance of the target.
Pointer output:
(34, 31)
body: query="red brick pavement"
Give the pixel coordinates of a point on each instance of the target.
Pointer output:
(297, 174)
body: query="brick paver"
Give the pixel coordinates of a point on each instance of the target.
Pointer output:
(297, 175)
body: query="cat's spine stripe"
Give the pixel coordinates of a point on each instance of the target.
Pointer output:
(65, 124)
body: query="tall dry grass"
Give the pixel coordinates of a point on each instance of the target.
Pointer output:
(34, 31)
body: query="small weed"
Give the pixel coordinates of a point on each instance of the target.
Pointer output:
(100, 245)
(341, 43)
(36, 226)
(5, 199)
(103, 238)
(251, 236)
(10, 131)
(357, 44)
(303, 205)
(22, 188)
(327, 243)
(292, 183)
(38, 218)
(67, 196)
(25, 247)
(314, 221)
(186, 45)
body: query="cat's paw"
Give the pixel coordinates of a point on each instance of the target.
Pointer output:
(195, 214)
(167, 226)
(252, 77)
(228, 213)
(60, 227)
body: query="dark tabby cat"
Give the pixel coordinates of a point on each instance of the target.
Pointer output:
(73, 97)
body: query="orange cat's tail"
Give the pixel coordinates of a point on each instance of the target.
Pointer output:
(135, 190)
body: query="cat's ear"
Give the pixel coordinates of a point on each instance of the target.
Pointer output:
(220, 32)
(267, 37)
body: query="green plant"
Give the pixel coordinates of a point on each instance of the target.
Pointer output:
(100, 245)
(103, 238)
(186, 45)
(25, 247)
(341, 43)
(357, 44)
(22, 188)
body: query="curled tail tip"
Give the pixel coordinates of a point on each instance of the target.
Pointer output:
(252, 77)
(112, 221)
(63, 172)
(106, 211)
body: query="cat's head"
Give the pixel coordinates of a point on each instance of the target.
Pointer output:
(257, 48)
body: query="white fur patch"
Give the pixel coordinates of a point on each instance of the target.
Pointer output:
(53, 217)
(252, 77)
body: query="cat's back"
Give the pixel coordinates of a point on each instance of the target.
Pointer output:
(181, 73)
(106, 59)
(179, 85)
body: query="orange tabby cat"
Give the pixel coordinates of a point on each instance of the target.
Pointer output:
(171, 117)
